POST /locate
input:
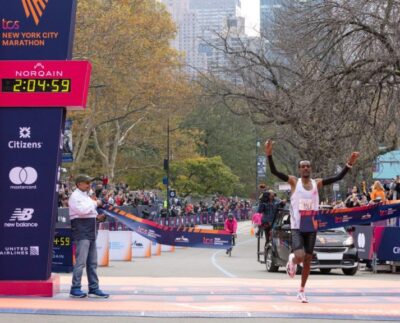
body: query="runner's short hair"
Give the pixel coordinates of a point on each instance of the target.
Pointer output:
(303, 161)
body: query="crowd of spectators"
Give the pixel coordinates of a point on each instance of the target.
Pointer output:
(182, 207)
(116, 195)
(378, 192)
(121, 195)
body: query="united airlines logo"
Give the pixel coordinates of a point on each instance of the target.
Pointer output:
(34, 8)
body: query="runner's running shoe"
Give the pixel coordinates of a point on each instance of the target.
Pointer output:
(291, 268)
(301, 296)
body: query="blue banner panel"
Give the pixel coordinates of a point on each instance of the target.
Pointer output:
(387, 243)
(36, 29)
(312, 221)
(181, 236)
(363, 237)
(30, 150)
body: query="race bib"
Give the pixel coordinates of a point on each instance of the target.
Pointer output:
(305, 205)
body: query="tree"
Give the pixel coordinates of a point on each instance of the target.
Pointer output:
(202, 176)
(135, 75)
(327, 79)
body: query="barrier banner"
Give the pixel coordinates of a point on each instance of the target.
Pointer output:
(363, 241)
(155, 249)
(186, 237)
(312, 221)
(120, 245)
(103, 247)
(141, 247)
(387, 243)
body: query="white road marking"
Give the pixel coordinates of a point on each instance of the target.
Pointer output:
(220, 268)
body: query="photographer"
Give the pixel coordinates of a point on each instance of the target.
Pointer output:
(269, 206)
(354, 198)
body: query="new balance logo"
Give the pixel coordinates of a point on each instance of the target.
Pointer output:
(34, 8)
(22, 214)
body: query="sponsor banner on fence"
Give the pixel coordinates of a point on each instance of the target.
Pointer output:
(120, 245)
(155, 249)
(328, 219)
(103, 247)
(186, 237)
(141, 247)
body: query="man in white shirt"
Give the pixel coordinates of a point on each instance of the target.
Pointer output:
(83, 215)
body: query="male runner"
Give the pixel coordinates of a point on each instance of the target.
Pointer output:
(304, 197)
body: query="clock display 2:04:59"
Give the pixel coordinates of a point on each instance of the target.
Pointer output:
(36, 85)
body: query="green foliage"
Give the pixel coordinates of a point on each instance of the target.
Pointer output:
(230, 136)
(202, 176)
(144, 178)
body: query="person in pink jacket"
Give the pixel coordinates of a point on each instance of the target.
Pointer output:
(231, 227)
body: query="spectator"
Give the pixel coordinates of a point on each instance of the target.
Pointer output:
(378, 193)
(269, 206)
(354, 198)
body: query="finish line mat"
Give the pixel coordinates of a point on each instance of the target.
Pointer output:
(363, 299)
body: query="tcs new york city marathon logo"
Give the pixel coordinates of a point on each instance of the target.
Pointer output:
(32, 8)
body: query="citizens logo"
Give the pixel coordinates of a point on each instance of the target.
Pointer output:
(361, 240)
(24, 133)
(20, 218)
(34, 8)
(23, 178)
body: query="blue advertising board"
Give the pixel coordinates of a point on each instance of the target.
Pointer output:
(387, 243)
(31, 140)
(29, 171)
(37, 29)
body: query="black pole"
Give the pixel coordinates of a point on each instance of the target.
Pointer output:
(257, 145)
(168, 203)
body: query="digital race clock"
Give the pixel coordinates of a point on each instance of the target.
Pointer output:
(36, 85)
(44, 83)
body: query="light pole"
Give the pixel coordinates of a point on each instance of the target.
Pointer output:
(257, 147)
(167, 167)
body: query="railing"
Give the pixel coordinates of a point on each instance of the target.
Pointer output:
(204, 218)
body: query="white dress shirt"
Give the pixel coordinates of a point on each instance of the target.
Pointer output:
(81, 205)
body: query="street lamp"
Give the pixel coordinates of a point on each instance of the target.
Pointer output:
(166, 167)
(257, 147)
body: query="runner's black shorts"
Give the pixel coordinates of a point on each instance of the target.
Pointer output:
(303, 240)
